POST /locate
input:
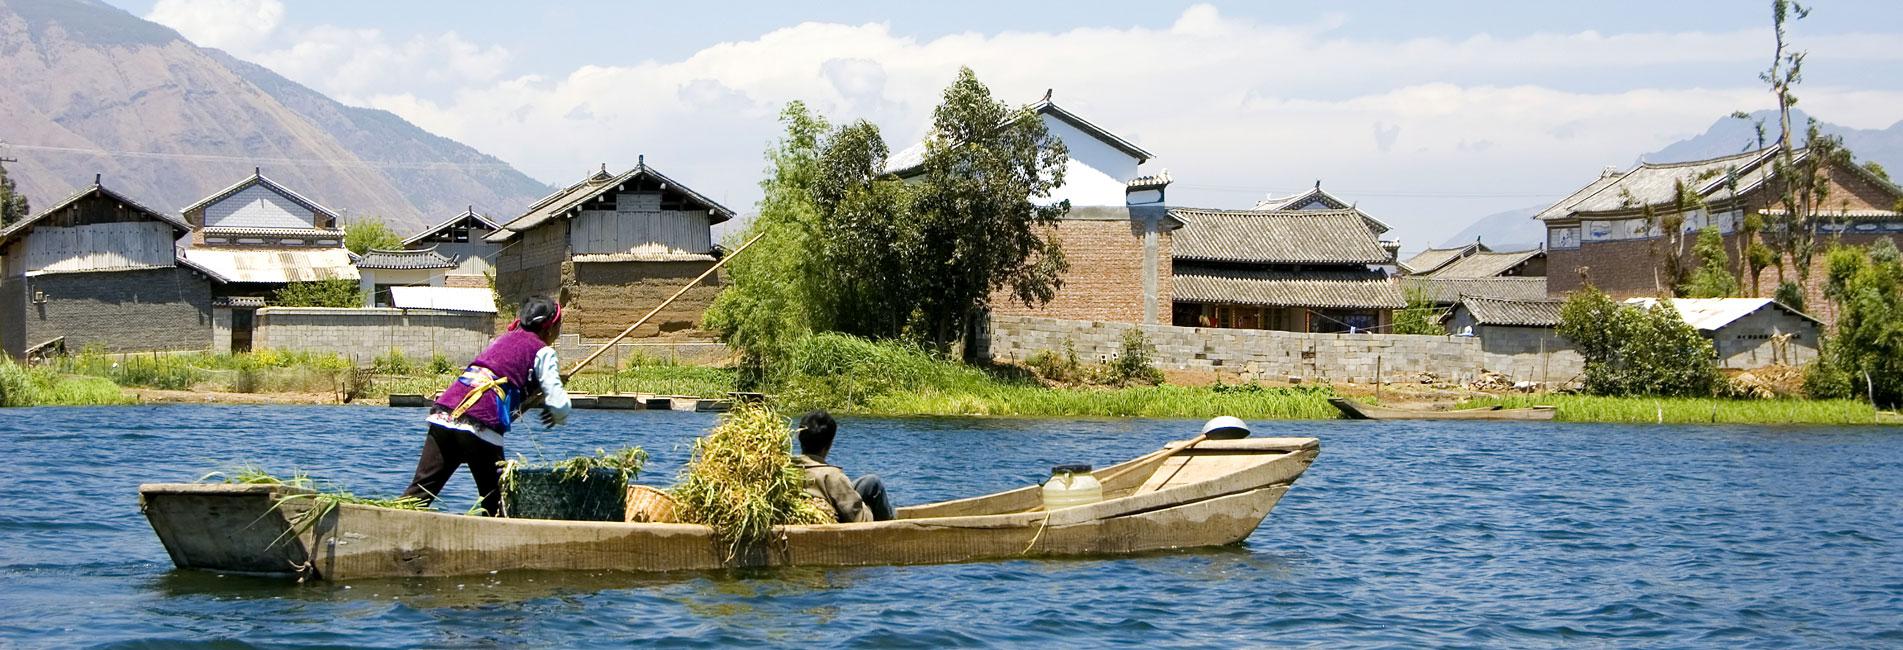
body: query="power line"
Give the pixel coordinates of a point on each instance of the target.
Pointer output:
(253, 160)
(1242, 189)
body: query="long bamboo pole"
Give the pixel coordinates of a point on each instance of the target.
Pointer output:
(657, 308)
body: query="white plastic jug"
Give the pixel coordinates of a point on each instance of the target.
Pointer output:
(1071, 485)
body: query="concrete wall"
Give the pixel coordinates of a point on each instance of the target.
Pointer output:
(1533, 353)
(1272, 354)
(144, 310)
(365, 334)
(1748, 343)
(1096, 173)
(13, 316)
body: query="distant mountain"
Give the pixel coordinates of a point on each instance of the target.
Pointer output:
(83, 77)
(1506, 231)
(1731, 135)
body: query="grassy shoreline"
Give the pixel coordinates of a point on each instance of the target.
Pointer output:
(860, 379)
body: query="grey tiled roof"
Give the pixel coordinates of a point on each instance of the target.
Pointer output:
(1277, 237)
(1517, 313)
(1486, 265)
(1432, 259)
(426, 258)
(223, 231)
(1449, 290)
(595, 185)
(1654, 183)
(1335, 289)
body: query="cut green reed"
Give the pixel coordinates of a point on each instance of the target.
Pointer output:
(741, 480)
(43, 386)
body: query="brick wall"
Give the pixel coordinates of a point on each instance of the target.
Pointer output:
(1273, 354)
(13, 316)
(365, 334)
(607, 297)
(1106, 277)
(143, 310)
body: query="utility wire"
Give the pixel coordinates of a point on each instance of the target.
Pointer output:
(254, 160)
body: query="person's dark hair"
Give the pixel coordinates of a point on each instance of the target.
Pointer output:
(816, 432)
(537, 313)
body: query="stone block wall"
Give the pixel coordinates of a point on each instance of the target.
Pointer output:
(365, 334)
(143, 310)
(1270, 354)
(571, 348)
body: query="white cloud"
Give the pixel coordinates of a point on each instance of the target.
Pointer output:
(232, 25)
(1234, 107)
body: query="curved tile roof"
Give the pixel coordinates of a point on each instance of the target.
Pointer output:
(1331, 289)
(1277, 237)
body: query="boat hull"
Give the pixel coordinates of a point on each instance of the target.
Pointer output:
(244, 529)
(1358, 411)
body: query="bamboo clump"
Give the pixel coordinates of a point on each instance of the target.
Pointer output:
(742, 481)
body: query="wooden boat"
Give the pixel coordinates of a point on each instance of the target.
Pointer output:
(1358, 411)
(1216, 492)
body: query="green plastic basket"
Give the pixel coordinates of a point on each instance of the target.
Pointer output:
(543, 494)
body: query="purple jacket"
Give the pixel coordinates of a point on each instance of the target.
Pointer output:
(511, 356)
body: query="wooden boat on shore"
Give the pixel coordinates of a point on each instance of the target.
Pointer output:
(1216, 492)
(1357, 411)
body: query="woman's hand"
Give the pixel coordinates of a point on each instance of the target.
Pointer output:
(548, 419)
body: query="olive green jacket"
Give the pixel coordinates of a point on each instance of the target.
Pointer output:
(827, 483)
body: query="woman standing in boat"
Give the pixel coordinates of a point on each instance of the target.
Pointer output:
(467, 423)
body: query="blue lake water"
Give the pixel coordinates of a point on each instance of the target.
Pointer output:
(1443, 534)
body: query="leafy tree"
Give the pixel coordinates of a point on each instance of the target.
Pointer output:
(371, 233)
(776, 292)
(1864, 356)
(13, 205)
(1790, 294)
(1637, 351)
(869, 245)
(1877, 170)
(1712, 278)
(1420, 316)
(336, 292)
(977, 226)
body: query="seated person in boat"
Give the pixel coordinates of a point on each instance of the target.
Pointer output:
(467, 423)
(853, 501)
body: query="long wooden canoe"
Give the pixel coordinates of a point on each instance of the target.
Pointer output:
(1358, 411)
(1214, 493)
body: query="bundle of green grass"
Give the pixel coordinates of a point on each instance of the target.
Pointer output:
(742, 481)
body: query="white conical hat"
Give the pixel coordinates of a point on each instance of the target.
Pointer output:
(1225, 422)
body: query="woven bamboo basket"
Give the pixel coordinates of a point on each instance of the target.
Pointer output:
(649, 505)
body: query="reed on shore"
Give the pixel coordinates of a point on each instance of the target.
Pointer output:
(1690, 410)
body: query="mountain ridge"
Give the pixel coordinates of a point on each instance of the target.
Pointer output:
(167, 122)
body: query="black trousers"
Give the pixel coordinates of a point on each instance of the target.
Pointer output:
(872, 491)
(445, 450)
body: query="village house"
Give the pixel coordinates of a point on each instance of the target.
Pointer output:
(1116, 237)
(612, 247)
(1517, 329)
(1304, 270)
(379, 271)
(1445, 275)
(1749, 332)
(1600, 234)
(98, 270)
(260, 236)
(463, 240)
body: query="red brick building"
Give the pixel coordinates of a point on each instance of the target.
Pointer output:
(1600, 233)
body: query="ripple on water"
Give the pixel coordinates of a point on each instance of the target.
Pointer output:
(1402, 534)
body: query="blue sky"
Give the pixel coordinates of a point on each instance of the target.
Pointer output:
(1429, 115)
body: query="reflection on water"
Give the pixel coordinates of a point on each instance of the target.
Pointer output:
(1503, 534)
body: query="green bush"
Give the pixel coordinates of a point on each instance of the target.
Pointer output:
(1637, 351)
(337, 292)
(1134, 362)
(393, 363)
(1863, 357)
